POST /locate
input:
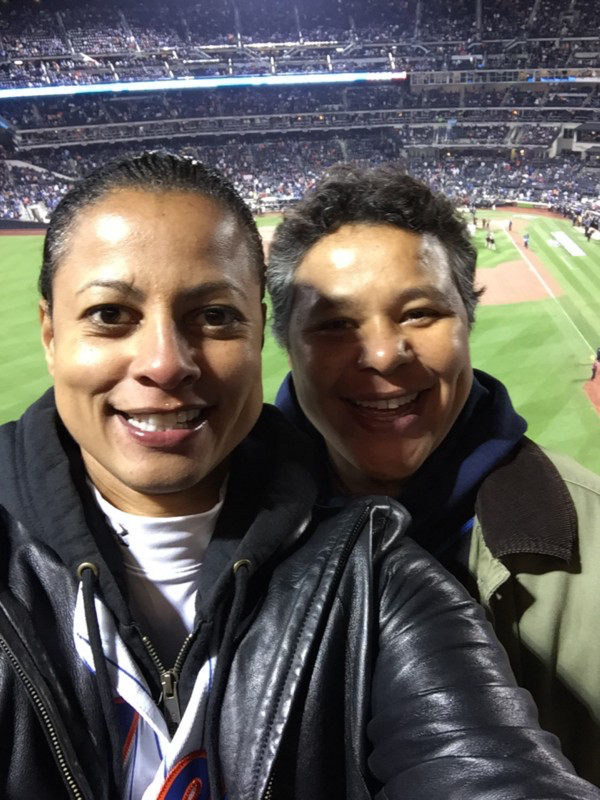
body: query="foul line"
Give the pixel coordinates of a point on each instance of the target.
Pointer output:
(525, 257)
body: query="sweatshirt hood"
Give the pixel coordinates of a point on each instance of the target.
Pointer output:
(43, 485)
(35, 477)
(486, 431)
(268, 503)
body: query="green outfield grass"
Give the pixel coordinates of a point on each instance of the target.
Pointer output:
(542, 350)
(274, 359)
(23, 375)
(491, 258)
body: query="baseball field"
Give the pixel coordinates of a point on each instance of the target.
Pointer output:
(537, 327)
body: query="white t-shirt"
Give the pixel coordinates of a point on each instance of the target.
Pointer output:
(162, 558)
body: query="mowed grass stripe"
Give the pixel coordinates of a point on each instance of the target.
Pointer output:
(22, 349)
(581, 282)
(586, 323)
(578, 271)
(23, 376)
(542, 365)
(571, 314)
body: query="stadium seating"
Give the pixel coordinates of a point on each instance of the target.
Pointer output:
(501, 101)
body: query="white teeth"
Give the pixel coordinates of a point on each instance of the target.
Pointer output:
(387, 404)
(164, 422)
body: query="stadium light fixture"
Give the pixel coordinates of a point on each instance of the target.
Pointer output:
(291, 79)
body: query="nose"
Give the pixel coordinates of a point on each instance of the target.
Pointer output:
(164, 356)
(384, 346)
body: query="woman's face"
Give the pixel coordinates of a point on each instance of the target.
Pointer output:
(379, 351)
(154, 343)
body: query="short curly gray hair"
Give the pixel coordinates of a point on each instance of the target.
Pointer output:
(383, 195)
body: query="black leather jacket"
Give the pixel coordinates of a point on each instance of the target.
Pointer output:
(353, 667)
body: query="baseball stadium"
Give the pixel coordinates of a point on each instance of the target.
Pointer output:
(382, 582)
(496, 107)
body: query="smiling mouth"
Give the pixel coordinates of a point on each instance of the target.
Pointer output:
(166, 421)
(387, 403)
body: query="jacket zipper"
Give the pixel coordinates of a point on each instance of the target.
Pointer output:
(169, 680)
(349, 544)
(268, 795)
(45, 716)
(350, 541)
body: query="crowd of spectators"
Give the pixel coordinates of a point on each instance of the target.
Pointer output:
(448, 19)
(547, 18)
(477, 134)
(79, 68)
(10, 203)
(535, 135)
(561, 182)
(273, 172)
(88, 119)
(29, 193)
(93, 41)
(540, 135)
(26, 30)
(428, 125)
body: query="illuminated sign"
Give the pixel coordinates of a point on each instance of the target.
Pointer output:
(295, 79)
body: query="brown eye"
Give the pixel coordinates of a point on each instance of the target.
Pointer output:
(219, 316)
(337, 324)
(416, 314)
(110, 315)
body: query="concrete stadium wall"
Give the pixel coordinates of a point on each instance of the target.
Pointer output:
(20, 226)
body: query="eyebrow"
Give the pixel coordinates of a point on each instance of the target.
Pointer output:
(119, 286)
(127, 289)
(325, 303)
(427, 292)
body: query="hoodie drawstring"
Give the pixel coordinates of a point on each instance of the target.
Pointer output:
(88, 574)
(241, 571)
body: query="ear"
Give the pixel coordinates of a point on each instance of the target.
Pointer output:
(47, 335)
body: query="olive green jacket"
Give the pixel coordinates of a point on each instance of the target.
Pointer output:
(535, 560)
